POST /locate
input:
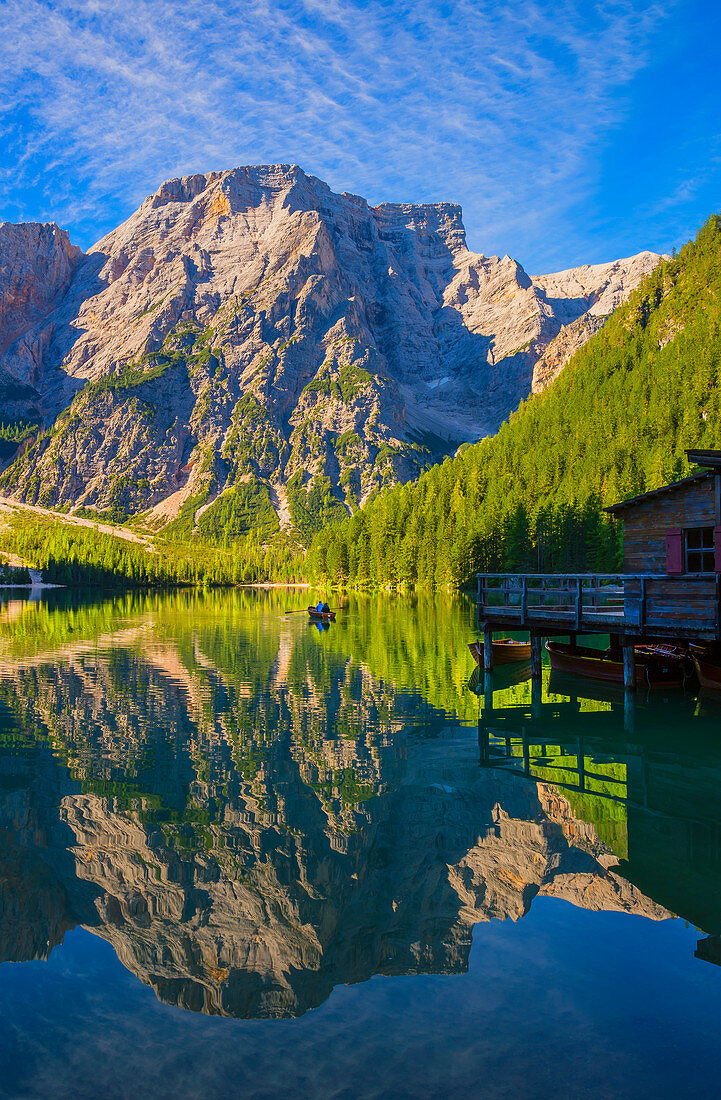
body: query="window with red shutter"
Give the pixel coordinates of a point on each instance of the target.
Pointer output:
(700, 550)
(674, 551)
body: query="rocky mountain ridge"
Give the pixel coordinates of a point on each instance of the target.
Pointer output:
(251, 346)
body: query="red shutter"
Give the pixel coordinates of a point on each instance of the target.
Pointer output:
(674, 552)
(717, 547)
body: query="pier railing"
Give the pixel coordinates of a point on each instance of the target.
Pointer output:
(670, 606)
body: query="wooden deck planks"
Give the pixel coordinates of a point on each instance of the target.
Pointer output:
(654, 606)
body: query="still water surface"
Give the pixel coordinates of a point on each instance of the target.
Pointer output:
(242, 856)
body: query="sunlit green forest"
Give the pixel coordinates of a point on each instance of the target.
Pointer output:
(615, 423)
(70, 555)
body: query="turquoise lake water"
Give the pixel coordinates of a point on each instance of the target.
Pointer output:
(244, 856)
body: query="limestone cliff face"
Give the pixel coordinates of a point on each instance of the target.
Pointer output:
(557, 354)
(252, 325)
(37, 263)
(600, 289)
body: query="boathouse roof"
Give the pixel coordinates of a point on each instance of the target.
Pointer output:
(711, 460)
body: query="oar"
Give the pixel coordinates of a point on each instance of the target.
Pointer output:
(300, 610)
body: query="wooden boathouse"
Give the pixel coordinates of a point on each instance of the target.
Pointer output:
(668, 590)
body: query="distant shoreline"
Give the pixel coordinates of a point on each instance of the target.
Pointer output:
(31, 587)
(274, 584)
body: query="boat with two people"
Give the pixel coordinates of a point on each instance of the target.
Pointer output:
(321, 613)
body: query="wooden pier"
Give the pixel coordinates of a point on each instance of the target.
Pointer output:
(644, 605)
(669, 591)
(635, 609)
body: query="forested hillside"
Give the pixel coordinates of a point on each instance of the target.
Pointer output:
(76, 556)
(614, 424)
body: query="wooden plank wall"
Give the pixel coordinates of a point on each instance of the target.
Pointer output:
(681, 606)
(645, 524)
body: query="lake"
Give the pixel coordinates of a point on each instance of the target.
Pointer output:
(241, 855)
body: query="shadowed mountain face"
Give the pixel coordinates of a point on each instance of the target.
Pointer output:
(252, 332)
(252, 814)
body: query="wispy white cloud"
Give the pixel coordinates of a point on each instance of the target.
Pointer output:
(501, 106)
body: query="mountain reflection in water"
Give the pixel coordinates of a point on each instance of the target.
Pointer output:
(253, 813)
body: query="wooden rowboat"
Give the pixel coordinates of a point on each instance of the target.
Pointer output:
(654, 664)
(321, 616)
(506, 651)
(708, 667)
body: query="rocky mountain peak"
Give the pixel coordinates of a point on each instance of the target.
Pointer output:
(244, 188)
(443, 220)
(251, 333)
(598, 289)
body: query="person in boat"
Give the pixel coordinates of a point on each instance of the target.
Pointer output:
(322, 608)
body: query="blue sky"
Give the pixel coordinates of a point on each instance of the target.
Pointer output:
(569, 131)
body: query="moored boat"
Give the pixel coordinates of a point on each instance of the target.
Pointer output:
(654, 664)
(506, 651)
(708, 666)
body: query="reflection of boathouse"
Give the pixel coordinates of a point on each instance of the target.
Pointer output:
(669, 590)
(657, 809)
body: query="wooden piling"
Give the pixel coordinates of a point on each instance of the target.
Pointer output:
(484, 742)
(536, 656)
(487, 695)
(581, 764)
(536, 698)
(487, 648)
(629, 667)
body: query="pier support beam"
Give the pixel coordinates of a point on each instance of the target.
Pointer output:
(487, 648)
(629, 667)
(536, 698)
(484, 749)
(487, 695)
(581, 764)
(536, 656)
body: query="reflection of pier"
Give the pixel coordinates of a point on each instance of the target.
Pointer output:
(669, 800)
